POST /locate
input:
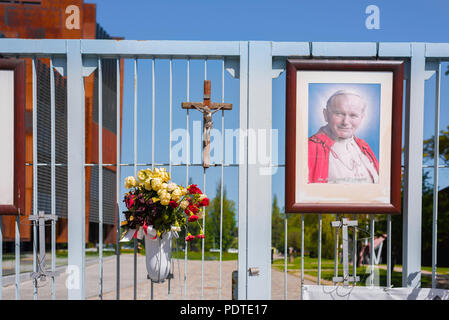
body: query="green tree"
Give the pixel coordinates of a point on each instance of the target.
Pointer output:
(443, 140)
(229, 230)
(277, 226)
(443, 204)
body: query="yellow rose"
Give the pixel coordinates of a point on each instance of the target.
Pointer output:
(184, 204)
(171, 187)
(165, 176)
(176, 194)
(165, 195)
(148, 184)
(156, 184)
(156, 173)
(165, 202)
(163, 188)
(130, 182)
(142, 175)
(149, 172)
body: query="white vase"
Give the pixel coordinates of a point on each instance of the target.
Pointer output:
(158, 255)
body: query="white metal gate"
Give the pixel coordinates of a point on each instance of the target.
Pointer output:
(255, 63)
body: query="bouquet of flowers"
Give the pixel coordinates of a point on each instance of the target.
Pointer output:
(156, 203)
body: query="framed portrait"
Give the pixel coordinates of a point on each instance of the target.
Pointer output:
(343, 136)
(12, 131)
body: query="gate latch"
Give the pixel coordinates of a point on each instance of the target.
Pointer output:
(254, 271)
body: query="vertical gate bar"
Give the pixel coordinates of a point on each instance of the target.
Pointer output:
(75, 171)
(170, 115)
(135, 169)
(153, 103)
(169, 153)
(436, 156)
(389, 271)
(35, 295)
(320, 235)
(412, 217)
(243, 257)
(53, 178)
(17, 256)
(100, 175)
(259, 184)
(179, 268)
(285, 255)
(1, 259)
(151, 291)
(35, 160)
(336, 249)
(205, 211)
(302, 255)
(117, 177)
(168, 282)
(372, 255)
(202, 240)
(222, 179)
(187, 174)
(354, 249)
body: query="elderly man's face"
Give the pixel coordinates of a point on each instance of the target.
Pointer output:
(344, 115)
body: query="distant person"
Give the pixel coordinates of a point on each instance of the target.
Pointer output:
(335, 154)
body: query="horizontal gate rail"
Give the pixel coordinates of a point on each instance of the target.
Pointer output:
(218, 49)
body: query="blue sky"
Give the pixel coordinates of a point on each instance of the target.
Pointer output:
(282, 20)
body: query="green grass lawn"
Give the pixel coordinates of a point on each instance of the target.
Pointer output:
(191, 255)
(440, 270)
(327, 271)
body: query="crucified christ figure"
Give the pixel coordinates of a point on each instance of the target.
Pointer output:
(207, 108)
(207, 122)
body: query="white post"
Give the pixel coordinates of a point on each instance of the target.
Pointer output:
(75, 174)
(258, 197)
(414, 114)
(243, 170)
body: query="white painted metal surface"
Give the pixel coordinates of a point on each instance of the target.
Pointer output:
(75, 172)
(243, 175)
(258, 211)
(436, 157)
(255, 71)
(414, 114)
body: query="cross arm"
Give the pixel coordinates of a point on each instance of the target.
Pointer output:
(212, 106)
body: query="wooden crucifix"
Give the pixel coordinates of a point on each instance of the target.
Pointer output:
(207, 108)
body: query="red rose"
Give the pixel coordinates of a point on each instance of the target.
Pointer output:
(204, 202)
(193, 208)
(200, 236)
(193, 189)
(173, 204)
(193, 218)
(129, 201)
(190, 237)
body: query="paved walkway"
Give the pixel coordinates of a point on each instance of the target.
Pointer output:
(160, 291)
